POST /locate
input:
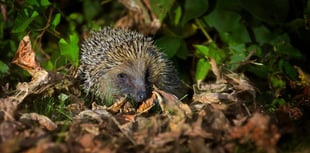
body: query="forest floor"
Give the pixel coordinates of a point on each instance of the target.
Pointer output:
(224, 115)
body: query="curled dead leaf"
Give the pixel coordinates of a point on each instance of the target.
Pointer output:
(118, 104)
(147, 104)
(25, 56)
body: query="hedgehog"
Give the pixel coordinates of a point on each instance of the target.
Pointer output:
(124, 63)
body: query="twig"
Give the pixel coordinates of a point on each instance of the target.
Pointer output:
(203, 31)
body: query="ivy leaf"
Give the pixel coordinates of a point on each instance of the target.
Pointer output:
(91, 9)
(22, 21)
(56, 20)
(202, 70)
(44, 3)
(288, 69)
(178, 15)
(170, 45)
(263, 34)
(161, 7)
(283, 47)
(203, 50)
(70, 49)
(183, 51)
(194, 9)
(211, 51)
(3, 67)
(229, 25)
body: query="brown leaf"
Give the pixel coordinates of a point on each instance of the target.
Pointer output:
(258, 129)
(130, 118)
(86, 140)
(140, 15)
(215, 69)
(43, 120)
(25, 56)
(196, 129)
(147, 104)
(118, 104)
(7, 108)
(170, 105)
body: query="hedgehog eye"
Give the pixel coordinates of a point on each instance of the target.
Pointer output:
(122, 76)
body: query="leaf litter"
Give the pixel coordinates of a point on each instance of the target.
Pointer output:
(222, 116)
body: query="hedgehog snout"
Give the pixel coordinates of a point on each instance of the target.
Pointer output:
(140, 91)
(141, 95)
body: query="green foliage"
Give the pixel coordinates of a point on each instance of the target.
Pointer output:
(205, 52)
(70, 48)
(162, 7)
(203, 67)
(55, 108)
(22, 25)
(170, 45)
(3, 67)
(193, 9)
(233, 30)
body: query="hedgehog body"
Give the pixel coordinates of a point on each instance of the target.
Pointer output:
(118, 62)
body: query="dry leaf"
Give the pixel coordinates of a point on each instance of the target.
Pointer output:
(118, 104)
(140, 15)
(147, 105)
(25, 56)
(258, 129)
(43, 120)
(7, 108)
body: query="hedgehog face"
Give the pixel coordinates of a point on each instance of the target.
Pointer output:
(132, 82)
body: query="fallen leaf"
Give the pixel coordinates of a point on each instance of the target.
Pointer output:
(43, 120)
(25, 56)
(147, 104)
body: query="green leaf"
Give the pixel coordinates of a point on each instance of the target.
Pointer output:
(76, 17)
(211, 51)
(288, 69)
(194, 9)
(263, 34)
(3, 67)
(278, 102)
(217, 53)
(283, 47)
(49, 65)
(22, 22)
(260, 71)
(91, 9)
(56, 20)
(178, 15)
(203, 68)
(33, 2)
(229, 25)
(70, 49)
(44, 3)
(183, 51)
(170, 45)
(203, 50)
(277, 82)
(161, 7)
(269, 11)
